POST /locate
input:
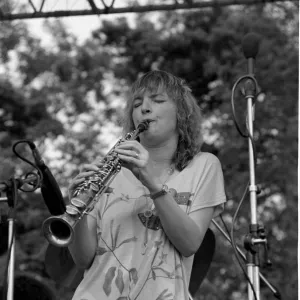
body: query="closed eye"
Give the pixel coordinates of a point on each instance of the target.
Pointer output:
(136, 105)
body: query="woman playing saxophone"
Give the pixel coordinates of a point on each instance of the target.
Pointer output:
(139, 240)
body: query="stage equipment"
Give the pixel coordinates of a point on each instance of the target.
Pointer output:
(29, 9)
(10, 188)
(273, 289)
(31, 182)
(49, 188)
(256, 236)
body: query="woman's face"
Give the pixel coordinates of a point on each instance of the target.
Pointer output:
(160, 110)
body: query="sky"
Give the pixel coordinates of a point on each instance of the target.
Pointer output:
(81, 26)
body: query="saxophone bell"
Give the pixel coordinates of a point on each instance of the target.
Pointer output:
(58, 230)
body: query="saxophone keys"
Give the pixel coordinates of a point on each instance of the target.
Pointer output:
(94, 178)
(71, 210)
(78, 203)
(110, 157)
(94, 187)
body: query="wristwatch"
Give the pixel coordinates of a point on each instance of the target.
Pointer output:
(162, 192)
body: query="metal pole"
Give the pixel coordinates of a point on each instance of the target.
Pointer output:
(11, 266)
(252, 265)
(11, 189)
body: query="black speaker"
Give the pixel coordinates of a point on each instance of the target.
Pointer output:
(31, 286)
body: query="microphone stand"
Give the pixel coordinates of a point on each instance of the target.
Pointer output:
(252, 239)
(241, 253)
(256, 235)
(10, 187)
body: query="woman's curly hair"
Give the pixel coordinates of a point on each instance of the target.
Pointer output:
(188, 112)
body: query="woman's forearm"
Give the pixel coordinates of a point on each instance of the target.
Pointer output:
(182, 231)
(83, 247)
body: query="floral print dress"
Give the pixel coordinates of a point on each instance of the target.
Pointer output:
(134, 258)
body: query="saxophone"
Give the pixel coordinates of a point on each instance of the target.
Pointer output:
(59, 230)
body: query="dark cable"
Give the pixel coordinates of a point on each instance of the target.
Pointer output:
(39, 176)
(232, 101)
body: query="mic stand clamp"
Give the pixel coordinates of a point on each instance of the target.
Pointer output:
(250, 88)
(262, 234)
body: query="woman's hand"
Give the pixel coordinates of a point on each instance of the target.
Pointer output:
(86, 170)
(136, 158)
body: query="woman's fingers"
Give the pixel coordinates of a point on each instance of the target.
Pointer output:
(128, 153)
(75, 183)
(86, 171)
(98, 162)
(88, 167)
(127, 158)
(132, 154)
(130, 145)
(81, 177)
(131, 149)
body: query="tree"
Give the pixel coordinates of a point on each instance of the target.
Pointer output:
(69, 93)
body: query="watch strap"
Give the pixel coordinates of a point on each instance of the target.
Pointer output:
(162, 192)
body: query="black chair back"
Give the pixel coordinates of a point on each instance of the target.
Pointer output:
(202, 260)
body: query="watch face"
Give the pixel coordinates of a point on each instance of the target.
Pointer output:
(165, 188)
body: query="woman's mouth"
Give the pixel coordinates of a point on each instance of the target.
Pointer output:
(148, 120)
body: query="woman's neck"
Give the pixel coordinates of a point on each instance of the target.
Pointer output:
(161, 155)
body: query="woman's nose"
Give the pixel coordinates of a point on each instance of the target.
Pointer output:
(146, 107)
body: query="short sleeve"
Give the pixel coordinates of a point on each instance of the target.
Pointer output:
(210, 191)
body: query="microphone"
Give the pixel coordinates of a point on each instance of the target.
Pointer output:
(250, 45)
(49, 188)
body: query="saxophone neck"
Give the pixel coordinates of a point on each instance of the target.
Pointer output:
(134, 134)
(143, 126)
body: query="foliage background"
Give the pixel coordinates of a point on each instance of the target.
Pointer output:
(68, 99)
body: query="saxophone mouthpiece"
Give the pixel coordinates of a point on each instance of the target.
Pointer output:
(143, 126)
